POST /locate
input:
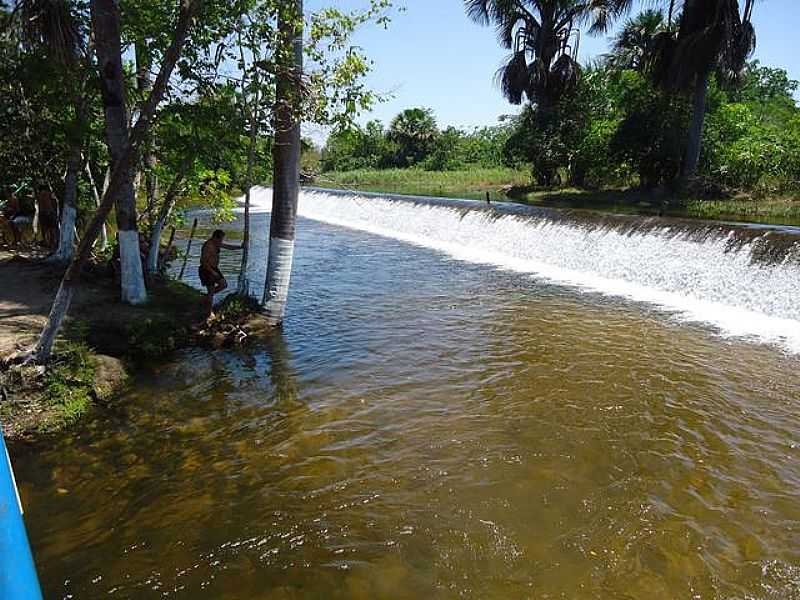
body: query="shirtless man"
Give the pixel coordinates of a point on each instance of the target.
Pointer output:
(210, 275)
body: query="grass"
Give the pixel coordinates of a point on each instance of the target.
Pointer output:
(781, 210)
(69, 385)
(511, 184)
(468, 183)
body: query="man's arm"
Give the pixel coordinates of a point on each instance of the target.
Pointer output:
(232, 247)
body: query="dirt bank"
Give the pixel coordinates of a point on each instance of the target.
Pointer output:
(102, 343)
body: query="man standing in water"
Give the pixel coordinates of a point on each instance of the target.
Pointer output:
(210, 275)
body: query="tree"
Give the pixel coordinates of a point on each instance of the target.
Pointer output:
(106, 25)
(286, 159)
(633, 46)
(712, 35)
(57, 26)
(119, 175)
(543, 37)
(414, 131)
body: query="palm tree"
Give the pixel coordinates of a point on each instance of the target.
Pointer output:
(712, 35)
(633, 46)
(414, 131)
(543, 36)
(285, 158)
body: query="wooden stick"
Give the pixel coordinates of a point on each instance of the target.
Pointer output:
(169, 247)
(188, 249)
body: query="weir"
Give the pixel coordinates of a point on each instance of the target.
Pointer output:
(743, 279)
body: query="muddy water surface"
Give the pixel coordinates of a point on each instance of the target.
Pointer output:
(431, 428)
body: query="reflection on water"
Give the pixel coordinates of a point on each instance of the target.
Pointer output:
(430, 428)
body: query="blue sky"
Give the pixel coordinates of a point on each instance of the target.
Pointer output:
(432, 55)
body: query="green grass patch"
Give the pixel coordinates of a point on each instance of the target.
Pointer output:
(468, 183)
(235, 307)
(781, 210)
(69, 385)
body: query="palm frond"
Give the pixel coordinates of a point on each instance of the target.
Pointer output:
(512, 78)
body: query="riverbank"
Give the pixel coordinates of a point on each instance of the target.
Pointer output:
(470, 183)
(103, 342)
(514, 185)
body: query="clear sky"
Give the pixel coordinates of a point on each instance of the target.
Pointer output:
(432, 55)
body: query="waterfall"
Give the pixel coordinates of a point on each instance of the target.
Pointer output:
(745, 280)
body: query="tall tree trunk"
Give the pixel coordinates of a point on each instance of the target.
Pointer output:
(158, 226)
(119, 177)
(243, 286)
(69, 212)
(108, 45)
(97, 197)
(695, 135)
(286, 161)
(144, 85)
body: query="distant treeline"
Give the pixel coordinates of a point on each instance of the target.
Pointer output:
(615, 129)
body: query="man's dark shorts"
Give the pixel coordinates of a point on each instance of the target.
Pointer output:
(209, 278)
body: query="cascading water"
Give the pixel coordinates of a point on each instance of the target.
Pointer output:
(744, 280)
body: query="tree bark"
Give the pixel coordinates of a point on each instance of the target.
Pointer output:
(69, 212)
(144, 85)
(158, 226)
(120, 173)
(108, 47)
(695, 136)
(286, 161)
(97, 197)
(243, 286)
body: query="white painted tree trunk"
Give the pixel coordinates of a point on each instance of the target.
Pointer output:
(279, 274)
(243, 284)
(66, 238)
(103, 230)
(155, 246)
(286, 166)
(133, 289)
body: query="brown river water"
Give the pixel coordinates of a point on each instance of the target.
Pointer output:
(426, 427)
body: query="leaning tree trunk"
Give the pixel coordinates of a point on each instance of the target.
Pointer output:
(69, 213)
(144, 85)
(119, 177)
(97, 197)
(106, 26)
(286, 162)
(695, 136)
(158, 226)
(243, 286)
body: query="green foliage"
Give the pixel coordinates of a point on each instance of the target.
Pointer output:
(69, 383)
(236, 306)
(414, 131)
(413, 141)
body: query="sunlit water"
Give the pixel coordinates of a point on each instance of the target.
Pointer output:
(431, 427)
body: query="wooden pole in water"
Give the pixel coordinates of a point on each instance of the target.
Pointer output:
(188, 249)
(169, 246)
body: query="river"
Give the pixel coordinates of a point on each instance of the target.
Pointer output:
(458, 407)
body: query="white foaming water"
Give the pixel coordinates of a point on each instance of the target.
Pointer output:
(698, 281)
